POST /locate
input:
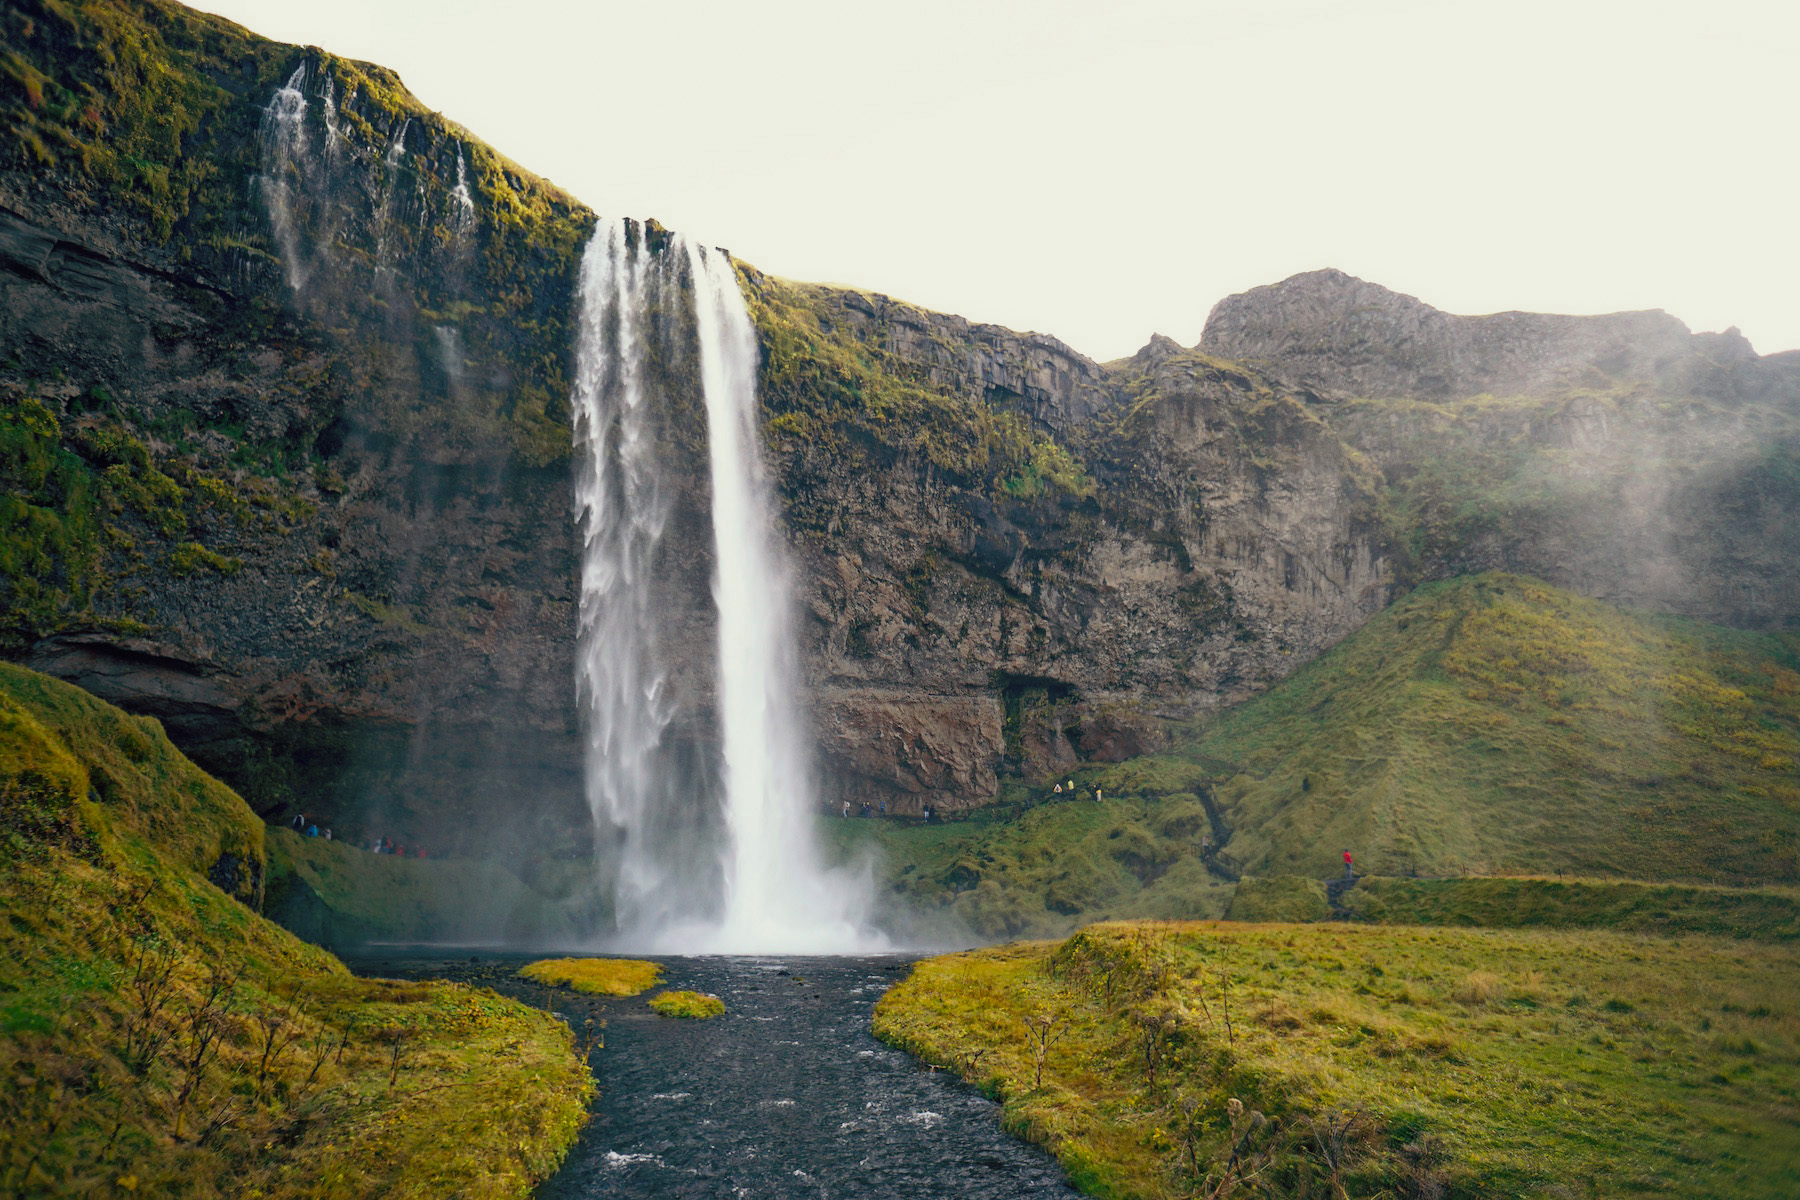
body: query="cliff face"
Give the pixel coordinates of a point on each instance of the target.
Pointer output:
(1342, 337)
(1620, 456)
(285, 434)
(284, 390)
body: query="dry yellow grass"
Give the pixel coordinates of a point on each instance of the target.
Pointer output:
(596, 976)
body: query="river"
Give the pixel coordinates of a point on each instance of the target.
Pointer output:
(786, 1095)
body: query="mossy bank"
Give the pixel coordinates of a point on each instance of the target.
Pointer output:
(159, 1037)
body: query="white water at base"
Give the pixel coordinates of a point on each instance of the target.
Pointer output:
(700, 862)
(778, 896)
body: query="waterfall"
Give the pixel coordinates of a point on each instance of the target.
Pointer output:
(737, 870)
(463, 220)
(283, 156)
(622, 504)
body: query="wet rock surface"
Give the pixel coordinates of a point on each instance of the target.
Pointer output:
(786, 1095)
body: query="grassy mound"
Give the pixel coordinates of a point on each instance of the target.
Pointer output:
(158, 1037)
(1044, 871)
(1763, 914)
(696, 1006)
(596, 976)
(1169, 1060)
(1282, 898)
(337, 895)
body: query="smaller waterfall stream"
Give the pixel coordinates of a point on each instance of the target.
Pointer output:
(283, 150)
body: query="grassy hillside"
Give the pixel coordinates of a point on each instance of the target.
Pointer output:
(1763, 914)
(1181, 1060)
(335, 894)
(1040, 872)
(1484, 725)
(158, 1037)
(1496, 724)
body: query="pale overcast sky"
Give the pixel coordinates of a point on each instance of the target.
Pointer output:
(1105, 170)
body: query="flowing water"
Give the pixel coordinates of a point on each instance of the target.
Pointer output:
(723, 863)
(785, 1096)
(283, 159)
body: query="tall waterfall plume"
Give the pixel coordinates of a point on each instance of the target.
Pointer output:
(721, 859)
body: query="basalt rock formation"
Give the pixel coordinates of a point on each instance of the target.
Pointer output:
(285, 379)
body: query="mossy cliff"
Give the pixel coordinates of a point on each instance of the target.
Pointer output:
(283, 417)
(158, 1037)
(283, 424)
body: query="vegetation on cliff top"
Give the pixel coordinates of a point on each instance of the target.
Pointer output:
(828, 389)
(157, 1037)
(1179, 1060)
(150, 111)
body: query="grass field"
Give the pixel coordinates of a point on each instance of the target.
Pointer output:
(692, 1006)
(159, 1038)
(1762, 914)
(1173, 1060)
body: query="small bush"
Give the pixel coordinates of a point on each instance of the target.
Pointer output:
(690, 1005)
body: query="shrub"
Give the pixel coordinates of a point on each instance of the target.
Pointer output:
(690, 1005)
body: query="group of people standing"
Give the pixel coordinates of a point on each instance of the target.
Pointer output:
(1069, 787)
(307, 827)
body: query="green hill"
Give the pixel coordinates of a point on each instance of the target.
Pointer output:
(1495, 724)
(158, 1037)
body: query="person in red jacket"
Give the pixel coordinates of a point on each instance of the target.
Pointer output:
(1349, 870)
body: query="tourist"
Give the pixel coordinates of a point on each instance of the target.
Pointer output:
(1071, 785)
(299, 822)
(1349, 868)
(312, 831)
(884, 808)
(328, 833)
(846, 808)
(1096, 795)
(1057, 789)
